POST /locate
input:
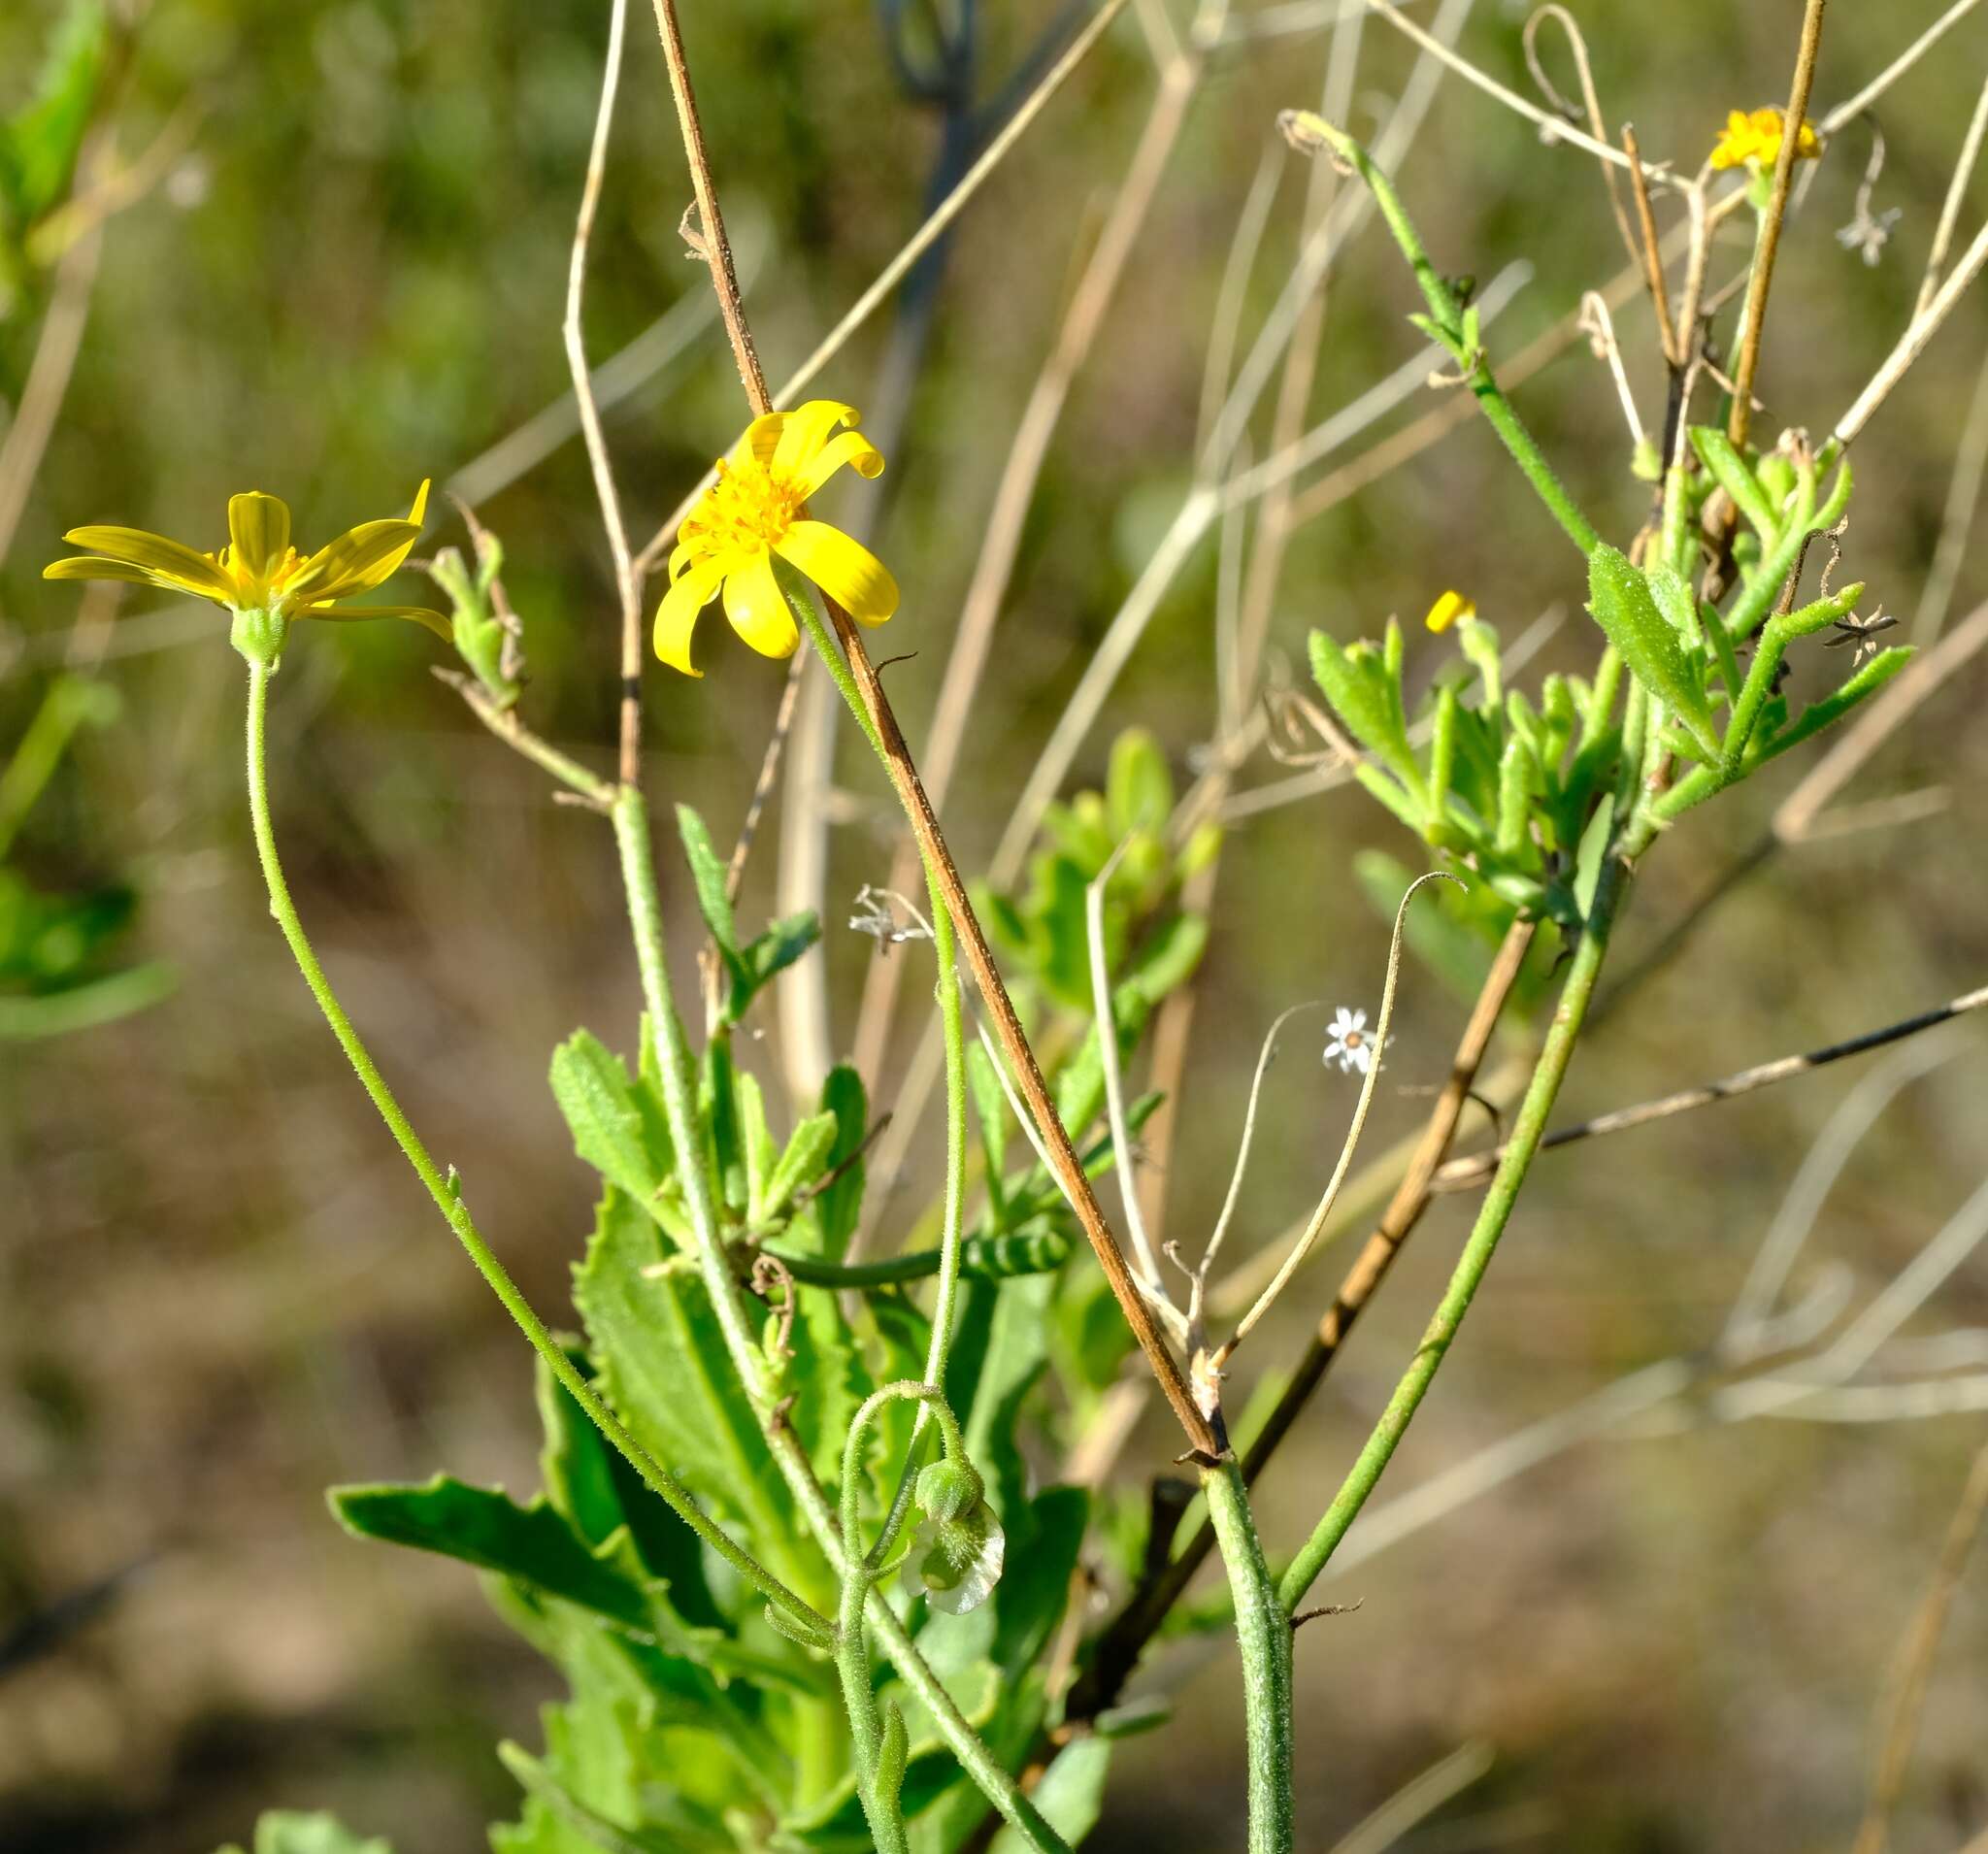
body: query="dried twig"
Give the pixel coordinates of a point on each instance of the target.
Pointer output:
(1461, 1175)
(1950, 207)
(1761, 276)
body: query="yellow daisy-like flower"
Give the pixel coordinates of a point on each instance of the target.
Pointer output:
(1757, 137)
(259, 571)
(757, 509)
(1449, 608)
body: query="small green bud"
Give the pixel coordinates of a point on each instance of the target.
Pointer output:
(948, 1488)
(955, 1564)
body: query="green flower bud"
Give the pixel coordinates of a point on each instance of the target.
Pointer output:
(948, 1488)
(954, 1564)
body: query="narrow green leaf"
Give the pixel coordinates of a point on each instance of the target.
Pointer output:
(1731, 473)
(708, 877)
(1624, 606)
(767, 957)
(838, 1207)
(803, 1160)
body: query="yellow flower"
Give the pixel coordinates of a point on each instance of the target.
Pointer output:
(1758, 138)
(1449, 608)
(757, 509)
(258, 570)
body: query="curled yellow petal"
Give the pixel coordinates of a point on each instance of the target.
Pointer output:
(420, 613)
(1449, 608)
(259, 531)
(90, 566)
(676, 617)
(845, 569)
(759, 442)
(169, 562)
(851, 449)
(358, 560)
(806, 430)
(758, 609)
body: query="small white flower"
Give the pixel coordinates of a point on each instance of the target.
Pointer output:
(1348, 1043)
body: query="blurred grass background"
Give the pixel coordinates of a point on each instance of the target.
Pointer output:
(220, 1290)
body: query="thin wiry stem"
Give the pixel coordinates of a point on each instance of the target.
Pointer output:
(1000, 546)
(1310, 1232)
(1957, 518)
(1105, 1020)
(1591, 102)
(48, 374)
(1762, 273)
(627, 585)
(1416, 1800)
(915, 248)
(1553, 127)
(1950, 207)
(1461, 1175)
(1896, 68)
(1913, 343)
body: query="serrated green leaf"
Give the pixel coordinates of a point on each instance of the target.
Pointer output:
(665, 1371)
(485, 1528)
(1368, 699)
(1674, 600)
(610, 1130)
(1622, 604)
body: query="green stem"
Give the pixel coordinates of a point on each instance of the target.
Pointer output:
(446, 1192)
(679, 1108)
(1304, 129)
(1263, 1630)
(1492, 1216)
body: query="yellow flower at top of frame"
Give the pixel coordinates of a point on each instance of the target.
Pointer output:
(1449, 608)
(757, 509)
(260, 569)
(1757, 137)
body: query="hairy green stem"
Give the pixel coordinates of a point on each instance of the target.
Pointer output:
(1307, 130)
(679, 1108)
(1263, 1632)
(1576, 996)
(444, 1191)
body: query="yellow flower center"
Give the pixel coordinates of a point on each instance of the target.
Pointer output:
(258, 592)
(747, 509)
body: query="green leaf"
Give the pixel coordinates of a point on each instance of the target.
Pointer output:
(838, 1207)
(1071, 1794)
(1034, 1589)
(593, 1827)
(756, 1133)
(39, 141)
(1368, 698)
(767, 957)
(1730, 472)
(1624, 606)
(1830, 708)
(622, 1136)
(483, 1526)
(708, 877)
(1138, 789)
(665, 1371)
(803, 1160)
(289, 1831)
(1673, 600)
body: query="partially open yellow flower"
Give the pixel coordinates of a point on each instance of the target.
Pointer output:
(1449, 608)
(757, 509)
(1757, 137)
(258, 570)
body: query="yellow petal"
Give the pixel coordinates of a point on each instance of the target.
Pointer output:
(358, 560)
(1449, 608)
(846, 570)
(762, 438)
(849, 447)
(758, 609)
(170, 562)
(676, 616)
(418, 513)
(420, 613)
(89, 566)
(259, 527)
(807, 430)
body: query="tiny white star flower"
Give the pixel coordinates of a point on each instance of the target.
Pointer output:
(1348, 1043)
